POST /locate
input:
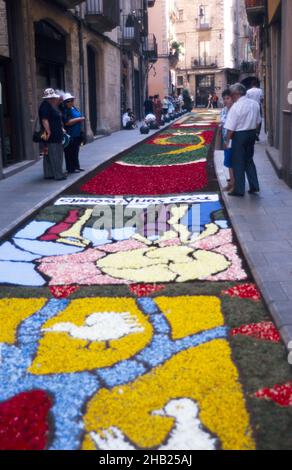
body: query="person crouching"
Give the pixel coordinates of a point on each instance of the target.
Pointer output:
(129, 120)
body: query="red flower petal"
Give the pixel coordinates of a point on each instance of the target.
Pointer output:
(24, 421)
(122, 179)
(280, 394)
(62, 292)
(264, 330)
(53, 233)
(244, 291)
(141, 290)
(208, 137)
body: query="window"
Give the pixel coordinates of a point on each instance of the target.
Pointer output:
(180, 15)
(204, 51)
(203, 16)
(180, 80)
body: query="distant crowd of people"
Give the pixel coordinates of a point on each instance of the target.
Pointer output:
(212, 101)
(156, 111)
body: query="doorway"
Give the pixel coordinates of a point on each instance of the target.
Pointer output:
(92, 88)
(51, 57)
(205, 84)
(8, 144)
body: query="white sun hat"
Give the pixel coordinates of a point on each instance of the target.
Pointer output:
(68, 96)
(50, 93)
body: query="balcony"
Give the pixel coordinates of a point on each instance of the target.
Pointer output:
(248, 67)
(151, 3)
(255, 12)
(173, 59)
(204, 62)
(203, 26)
(142, 18)
(103, 15)
(68, 3)
(130, 32)
(150, 48)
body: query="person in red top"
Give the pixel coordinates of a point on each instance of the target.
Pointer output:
(215, 101)
(157, 108)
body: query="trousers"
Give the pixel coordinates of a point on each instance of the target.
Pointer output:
(53, 162)
(72, 155)
(242, 160)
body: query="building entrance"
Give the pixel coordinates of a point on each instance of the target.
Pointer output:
(205, 84)
(50, 45)
(8, 147)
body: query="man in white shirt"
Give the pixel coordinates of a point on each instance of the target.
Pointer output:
(128, 121)
(242, 123)
(256, 93)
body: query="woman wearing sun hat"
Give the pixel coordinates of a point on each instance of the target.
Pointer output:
(73, 124)
(51, 121)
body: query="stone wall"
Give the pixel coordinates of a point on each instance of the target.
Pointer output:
(4, 48)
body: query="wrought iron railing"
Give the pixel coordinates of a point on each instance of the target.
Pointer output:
(150, 48)
(105, 12)
(204, 61)
(130, 30)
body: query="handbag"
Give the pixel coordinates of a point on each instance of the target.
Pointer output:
(38, 133)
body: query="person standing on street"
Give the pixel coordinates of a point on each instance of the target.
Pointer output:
(227, 101)
(256, 93)
(210, 101)
(51, 122)
(73, 124)
(243, 119)
(165, 105)
(157, 108)
(215, 101)
(148, 105)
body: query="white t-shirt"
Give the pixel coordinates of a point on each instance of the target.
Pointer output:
(255, 94)
(126, 119)
(150, 118)
(165, 103)
(244, 115)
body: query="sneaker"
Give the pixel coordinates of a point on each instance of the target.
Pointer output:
(229, 188)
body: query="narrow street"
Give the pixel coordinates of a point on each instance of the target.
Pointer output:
(120, 330)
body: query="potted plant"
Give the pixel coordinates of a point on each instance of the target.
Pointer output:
(175, 50)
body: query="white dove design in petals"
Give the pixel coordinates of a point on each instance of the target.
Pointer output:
(186, 434)
(100, 326)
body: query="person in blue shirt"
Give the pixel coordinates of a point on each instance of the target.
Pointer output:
(73, 124)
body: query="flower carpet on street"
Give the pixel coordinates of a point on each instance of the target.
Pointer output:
(145, 333)
(172, 162)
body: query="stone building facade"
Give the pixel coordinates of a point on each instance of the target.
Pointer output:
(71, 45)
(162, 20)
(271, 21)
(214, 36)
